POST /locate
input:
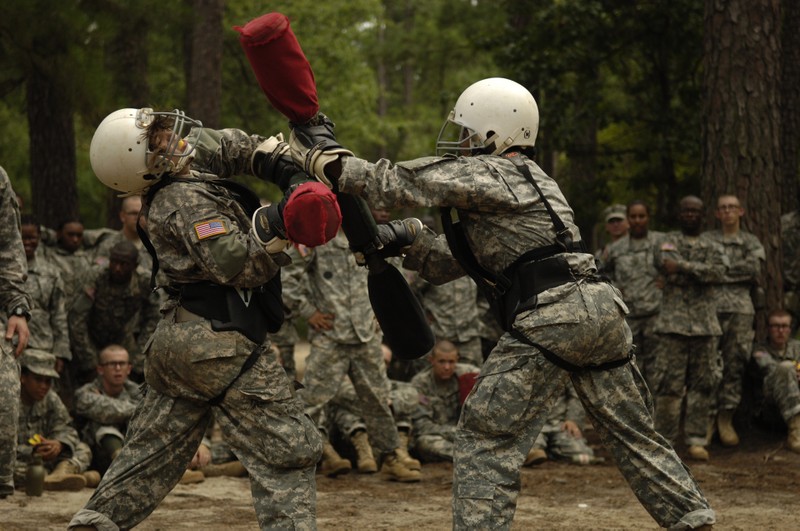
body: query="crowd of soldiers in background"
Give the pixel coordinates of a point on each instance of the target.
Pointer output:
(692, 297)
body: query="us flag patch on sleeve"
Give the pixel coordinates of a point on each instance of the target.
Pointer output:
(207, 229)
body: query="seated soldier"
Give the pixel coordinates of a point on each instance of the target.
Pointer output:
(779, 364)
(117, 306)
(106, 405)
(45, 429)
(343, 413)
(561, 436)
(442, 390)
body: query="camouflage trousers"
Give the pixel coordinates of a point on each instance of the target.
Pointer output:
(433, 448)
(782, 389)
(735, 345)
(328, 363)
(690, 366)
(345, 412)
(81, 458)
(285, 339)
(260, 418)
(9, 414)
(561, 445)
(510, 402)
(645, 340)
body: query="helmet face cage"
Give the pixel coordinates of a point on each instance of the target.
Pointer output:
(177, 152)
(456, 139)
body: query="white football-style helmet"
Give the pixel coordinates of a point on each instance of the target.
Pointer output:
(493, 113)
(121, 158)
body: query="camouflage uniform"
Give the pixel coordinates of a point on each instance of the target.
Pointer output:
(583, 321)
(453, 313)
(188, 364)
(105, 313)
(287, 337)
(686, 352)
(630, 266)
(558, 443)
(12, 294)
(50, 419)
(105, 414)
(437, 413)
(735, 310)
(335, 284)
(48, 324)
(779, 370)
(345, 413)
(72, 267)
(790, 242)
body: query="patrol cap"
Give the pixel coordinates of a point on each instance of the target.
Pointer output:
(39, 362)
(616, 211)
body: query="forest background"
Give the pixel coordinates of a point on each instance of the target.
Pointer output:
(641, 99)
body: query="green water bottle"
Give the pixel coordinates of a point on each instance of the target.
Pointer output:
(34, 477)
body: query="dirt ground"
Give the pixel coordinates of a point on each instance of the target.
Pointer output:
(755, 486)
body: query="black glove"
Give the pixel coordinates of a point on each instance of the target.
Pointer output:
(396, 236)
(313, 145)
(272, 162)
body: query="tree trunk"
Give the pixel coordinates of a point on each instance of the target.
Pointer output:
(204, 87)
(790, 107)
(52, 149)
(741, 132)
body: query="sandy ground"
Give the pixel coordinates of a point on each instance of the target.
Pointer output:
(756, 486)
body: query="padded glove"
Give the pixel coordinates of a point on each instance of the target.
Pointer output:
(268, 228)
(272, 162)
(313, 145)
(395, 237)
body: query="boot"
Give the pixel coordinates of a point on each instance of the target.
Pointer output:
(698, 453)
(192, 476)
(402, 452)
(65, 476)
(793, 441)
(332, 463)
(231, 469)
(395, 470)
(366, 461)
(92, 478)
(535, 457)
(727, 434)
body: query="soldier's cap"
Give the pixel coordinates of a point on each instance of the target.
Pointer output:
(616, 211)
(39, 362)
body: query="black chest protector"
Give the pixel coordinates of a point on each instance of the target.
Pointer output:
(515, 289)
(251, 311)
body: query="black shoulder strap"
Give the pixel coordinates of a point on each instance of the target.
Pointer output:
(562, 234)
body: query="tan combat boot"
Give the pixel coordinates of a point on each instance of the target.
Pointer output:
(192, 476)
(65, 476)
(793, 440)
(232, 469)
(727, 434)
(366, 461)
(535, 457)
(332, 463)
(698, 453)
(92, 478)
(402, 452)
(395, 470)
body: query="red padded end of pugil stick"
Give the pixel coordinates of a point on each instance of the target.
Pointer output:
(282, 70)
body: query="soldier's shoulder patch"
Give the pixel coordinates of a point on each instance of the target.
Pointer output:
(207, 229)
(667, 246)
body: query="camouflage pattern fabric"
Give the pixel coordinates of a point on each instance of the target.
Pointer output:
(105, 414)
(13, 269)
(105, 313)
(582, 321)
(188, 364)
(48, 324)
(779, 370)
(790, 243)
(50, 419)
(735, 310)
(72, 267)
(631, 268)
(452, 311)
(437, 413)
(686, 351)
(344, 410)
(558, 443)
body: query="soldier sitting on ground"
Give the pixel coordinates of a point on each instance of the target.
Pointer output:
(45, 429)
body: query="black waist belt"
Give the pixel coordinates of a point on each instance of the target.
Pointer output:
(535, 277)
